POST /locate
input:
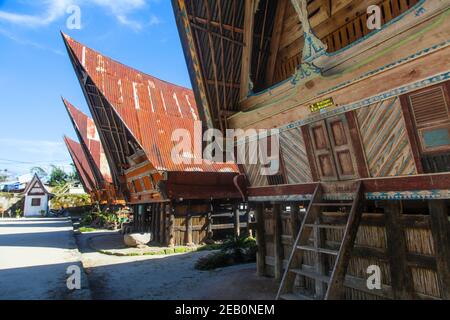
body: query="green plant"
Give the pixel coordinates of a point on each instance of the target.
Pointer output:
(233, 251)
(86, 229)
(18, 213)
(43, 213)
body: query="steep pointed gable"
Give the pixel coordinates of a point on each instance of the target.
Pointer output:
(81, 164)
(88, 135)
(149, 108)
(36, 187)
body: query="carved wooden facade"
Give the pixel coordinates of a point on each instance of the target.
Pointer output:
(360, 112)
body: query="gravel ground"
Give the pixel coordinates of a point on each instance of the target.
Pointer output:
(170, 277)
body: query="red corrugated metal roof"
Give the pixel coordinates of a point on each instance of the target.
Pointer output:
(151, 108)
(86, 128)
(81, 164)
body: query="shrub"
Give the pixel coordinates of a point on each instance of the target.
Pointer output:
(233, 251)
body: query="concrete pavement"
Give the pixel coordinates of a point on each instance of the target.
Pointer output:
(34, 257)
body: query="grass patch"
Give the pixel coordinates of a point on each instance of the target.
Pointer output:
(86, 229)
(233, 251)
(162, 252)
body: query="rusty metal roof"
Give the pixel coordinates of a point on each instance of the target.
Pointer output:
(81, 164)
(88, 134)
(150, 108)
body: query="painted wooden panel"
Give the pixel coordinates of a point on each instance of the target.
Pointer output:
(253, 172)
(293, 151)
(385, 140)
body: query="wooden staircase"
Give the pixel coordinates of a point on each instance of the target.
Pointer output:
(325, 279)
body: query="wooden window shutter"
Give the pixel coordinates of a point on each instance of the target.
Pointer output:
(430, 109)
(429, 106)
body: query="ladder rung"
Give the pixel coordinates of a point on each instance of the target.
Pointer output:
(295, 296)
(329, 204)
(311, 274)
(325, 226)
(320, 250)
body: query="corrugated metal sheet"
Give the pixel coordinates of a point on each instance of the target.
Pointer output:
(88, 132)
(150, 108)
(81, 164)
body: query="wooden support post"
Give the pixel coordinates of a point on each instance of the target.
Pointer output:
(248, 218)
(441, 236)
(260, 241)
(319, 242)
(158, 222)
(237, 220)
(295, 226)
(401, 277)
(162, 222)
(171, 233)
(154, 222)
(209, 223)
(278, 245)
(189, 229)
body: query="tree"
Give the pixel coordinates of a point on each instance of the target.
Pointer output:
(41, 173)
(3, 175)
(74, 176)
(57, 176)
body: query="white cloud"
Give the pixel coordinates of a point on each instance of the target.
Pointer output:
(154, 20)
(56, 9)
(26, 42)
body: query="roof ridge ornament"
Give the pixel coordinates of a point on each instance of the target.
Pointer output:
(313, 47)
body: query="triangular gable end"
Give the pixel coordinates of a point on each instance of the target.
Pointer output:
(81, 164)
(35, 187)
(88, 136)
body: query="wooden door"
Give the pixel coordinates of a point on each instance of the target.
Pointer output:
(323, 154)
(332, 149)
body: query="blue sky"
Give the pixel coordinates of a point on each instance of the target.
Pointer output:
(35, 70)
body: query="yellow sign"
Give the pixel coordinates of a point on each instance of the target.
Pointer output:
(321, 105)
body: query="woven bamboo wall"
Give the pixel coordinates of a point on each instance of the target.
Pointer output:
(371, 248)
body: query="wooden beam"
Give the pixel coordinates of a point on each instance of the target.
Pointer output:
(249, 19)
(401, 276)
(441, 237)
(260, 240)
(275, 42)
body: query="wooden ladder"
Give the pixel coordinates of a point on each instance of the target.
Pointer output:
(323, 285)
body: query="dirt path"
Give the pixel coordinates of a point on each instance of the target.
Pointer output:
(169, 277)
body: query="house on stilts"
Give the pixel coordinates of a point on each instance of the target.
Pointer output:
(363, 119)
(179, 197)
(94, 161)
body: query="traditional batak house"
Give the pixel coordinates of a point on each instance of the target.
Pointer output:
(364, 130)
(180, 198)
(103, 190)
(82, 166)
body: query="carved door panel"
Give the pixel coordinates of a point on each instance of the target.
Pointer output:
(342, 149)
(322, 151)
(333, 150)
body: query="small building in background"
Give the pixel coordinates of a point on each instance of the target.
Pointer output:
(37, 198)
